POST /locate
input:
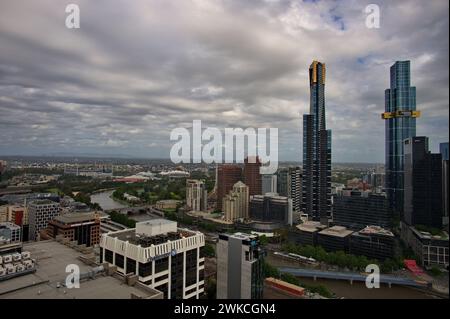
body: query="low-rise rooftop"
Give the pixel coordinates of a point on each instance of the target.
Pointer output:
(48, 281)
(71, 218)
(336, 231)
(310, 226)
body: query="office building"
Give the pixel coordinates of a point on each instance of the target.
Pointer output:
(283, 182)
(355, 211)
(10, 232)
(432, 250)
(40, 212)
(336, 238)
(271, 208)
(239, 267)
(164, 257)
(422, 184)
(236, 203)
(84, 228)
(373, 242)
(306, 233)
(400, 117)
(289, 184)
(227, 175)
(196, 195)
(269, 183)
(252, 175)
(316, 188)
(445, 177)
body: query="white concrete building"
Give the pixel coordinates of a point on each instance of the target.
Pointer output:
(163, 256)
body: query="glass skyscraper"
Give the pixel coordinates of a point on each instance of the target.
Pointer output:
(400, 116)
(316, 187)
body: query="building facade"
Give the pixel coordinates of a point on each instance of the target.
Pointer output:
(164, 257)
(269, 183)
(271, 208)
(373, 242)
(355, 211)
(227, 175)
(40, 212)
(336, 238)
(252, 175)
(400, 118)
(239, 267)
(445, 179)
(289, 184)
(236, 203)
(10, 232)
(422, 184)
(196, 195)
(431, 250)
(84, 228)
(316, 188)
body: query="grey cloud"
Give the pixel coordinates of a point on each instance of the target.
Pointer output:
(135, 70)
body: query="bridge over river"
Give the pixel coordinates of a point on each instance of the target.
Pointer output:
(351, 277)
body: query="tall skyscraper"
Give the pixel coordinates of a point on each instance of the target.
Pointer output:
(445, 178)
(316, 186)
(422, 184)
(400, 116)
(227, 176)
(252, 175)
(239, 267)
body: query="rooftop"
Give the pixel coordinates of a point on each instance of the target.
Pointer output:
(52, 258)
(336, 231)
(310, 226)
(376, 230)
(152, 232)
(75, 218)
(43, 202)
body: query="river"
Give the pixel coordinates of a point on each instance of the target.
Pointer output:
(105, 201)
(358, 290)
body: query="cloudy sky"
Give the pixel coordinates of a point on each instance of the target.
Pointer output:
(137, 69)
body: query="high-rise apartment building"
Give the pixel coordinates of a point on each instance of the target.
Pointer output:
(40, 212)
(400, 117)
(316, 188)
(289, 184)
(239, 267)
(422, 184)
(164, 257)
(196, 195)
(252, 175)
(236, 203)
(227, 175)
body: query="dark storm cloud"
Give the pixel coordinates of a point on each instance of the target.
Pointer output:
(135, 70)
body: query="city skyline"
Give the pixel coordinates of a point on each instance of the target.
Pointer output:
(120, 87)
